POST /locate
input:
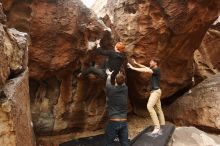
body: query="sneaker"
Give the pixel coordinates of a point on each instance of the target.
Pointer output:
(156, 131)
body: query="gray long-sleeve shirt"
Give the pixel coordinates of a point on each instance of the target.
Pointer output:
(117, 100)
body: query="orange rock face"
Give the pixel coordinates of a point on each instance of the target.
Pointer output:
(60, 32)
(169, 30)
(13, 51)
(15, 115)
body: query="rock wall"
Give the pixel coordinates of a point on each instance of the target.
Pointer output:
(168, 30)
(15, 116)
(199, 108)
(13, 51)
(61, 34)
(211, 44)
(206, 57)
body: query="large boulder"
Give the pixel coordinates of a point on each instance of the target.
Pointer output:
(191, 136)
(168, 30)
(13, 51)
(200, 107)
(16, 128)
(15, 115)
(206, 57)
(61, 33)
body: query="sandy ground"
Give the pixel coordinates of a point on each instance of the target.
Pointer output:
(136, 125)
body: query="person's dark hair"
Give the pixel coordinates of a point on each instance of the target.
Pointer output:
(120, 79)
(156, 60)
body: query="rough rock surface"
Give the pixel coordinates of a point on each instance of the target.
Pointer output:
(190, 136)
(61, 33)
(199, 108)
(169, 30)
(4, 63)
(207, 56)
(15, 115)
(211, 44)
(13, 53)
(203, 68)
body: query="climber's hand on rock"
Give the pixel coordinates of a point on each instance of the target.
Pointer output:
(129, 66)
(134, 61)
(108, 72)
(91, 46)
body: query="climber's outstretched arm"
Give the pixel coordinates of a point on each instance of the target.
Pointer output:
(138, 64)
(141, 69)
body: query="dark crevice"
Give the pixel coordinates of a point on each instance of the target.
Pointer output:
(208, 129)
(16, 73)
(131, 9)
(34, 87)
(3, 97)
(171, 99)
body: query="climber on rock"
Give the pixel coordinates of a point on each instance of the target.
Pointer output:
(117, 103)
(116, 62)
(154, 103)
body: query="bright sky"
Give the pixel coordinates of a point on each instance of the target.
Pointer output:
(88, 3)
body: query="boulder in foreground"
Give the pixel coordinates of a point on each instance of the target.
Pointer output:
(199, 108)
